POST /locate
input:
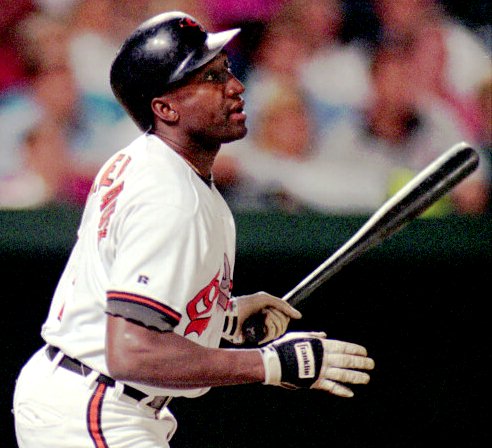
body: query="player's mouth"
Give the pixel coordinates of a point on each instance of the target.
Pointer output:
(237, 112)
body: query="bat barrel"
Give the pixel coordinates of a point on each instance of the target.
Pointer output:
(414, 198)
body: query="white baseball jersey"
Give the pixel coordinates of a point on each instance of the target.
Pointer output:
(156, 245)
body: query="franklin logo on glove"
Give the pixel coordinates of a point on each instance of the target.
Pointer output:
(304, 352)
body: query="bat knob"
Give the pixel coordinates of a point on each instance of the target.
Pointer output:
(254, 329)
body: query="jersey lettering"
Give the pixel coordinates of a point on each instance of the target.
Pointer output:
(108, 201)
(143, 279)
(110, 196)
(123, 166)
(108, 177)
(60, 313)
(199, 309)
(108, 207)
(225, 287)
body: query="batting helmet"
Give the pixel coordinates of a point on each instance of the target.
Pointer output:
(160, 52)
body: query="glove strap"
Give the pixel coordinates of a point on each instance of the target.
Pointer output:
(231, 321)
(271, 363)
(296, 363)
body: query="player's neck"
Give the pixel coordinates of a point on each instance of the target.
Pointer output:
(199, 158)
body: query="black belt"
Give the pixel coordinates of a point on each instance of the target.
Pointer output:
(74, 365)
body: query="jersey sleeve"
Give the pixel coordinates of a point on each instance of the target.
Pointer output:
(157, 252)
(142, 310)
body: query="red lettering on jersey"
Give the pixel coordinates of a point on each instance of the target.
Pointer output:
(111, 195)
(93, 188)
(60, 314)
(107, 179)
(225, 286)
(199, 309)
(108, 201)
(108, 176)
(104, 220)
(123, 167)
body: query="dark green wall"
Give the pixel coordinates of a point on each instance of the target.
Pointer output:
(418, 302)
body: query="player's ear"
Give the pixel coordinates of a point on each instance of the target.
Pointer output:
(164, 110)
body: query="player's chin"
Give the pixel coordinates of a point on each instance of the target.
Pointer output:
(235, 133)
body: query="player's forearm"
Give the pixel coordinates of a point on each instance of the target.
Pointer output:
(168, 360)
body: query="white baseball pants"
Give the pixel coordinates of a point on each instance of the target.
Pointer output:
(57, 408)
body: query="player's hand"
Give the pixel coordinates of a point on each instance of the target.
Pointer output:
(277, 314)
(309, 360)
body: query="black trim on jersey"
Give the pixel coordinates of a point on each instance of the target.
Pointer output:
(141, 313)
(208, 180)
(144, 300)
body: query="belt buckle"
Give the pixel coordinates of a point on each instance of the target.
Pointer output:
(158, 402)
(154, 404)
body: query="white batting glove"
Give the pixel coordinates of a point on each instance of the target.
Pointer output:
(309, 360)
(276, 311)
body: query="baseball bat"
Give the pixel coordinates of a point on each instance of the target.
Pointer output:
(429, 185)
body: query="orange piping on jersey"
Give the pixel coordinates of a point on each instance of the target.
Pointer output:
(116, 295)
(94, 416)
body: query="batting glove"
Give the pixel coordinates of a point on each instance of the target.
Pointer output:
(309, 360)
(276, 311)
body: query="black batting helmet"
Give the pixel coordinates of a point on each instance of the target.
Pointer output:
(158, 53)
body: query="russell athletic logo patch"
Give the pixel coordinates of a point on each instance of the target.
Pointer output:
(305, 357)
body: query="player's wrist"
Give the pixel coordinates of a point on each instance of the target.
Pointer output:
(272, 366)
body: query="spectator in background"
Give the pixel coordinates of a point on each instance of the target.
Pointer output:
(303, 43)
(449, 61)
(54, 101)
(252, 16)
(276, 64)
(485, 143)
(336, 74)
(97, 29)
(199, 9)
(378, 125)
(12, 70)
(42, 42)
(257, 173)
(484, 95)
(279, 165)
(46, 172)
(223, 12)
(59, 9)
(403, 134)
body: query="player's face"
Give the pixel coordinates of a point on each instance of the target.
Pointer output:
(211, 106)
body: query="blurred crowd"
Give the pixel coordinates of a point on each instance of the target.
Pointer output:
(343, 108)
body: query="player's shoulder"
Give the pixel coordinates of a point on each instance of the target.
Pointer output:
(152, 171)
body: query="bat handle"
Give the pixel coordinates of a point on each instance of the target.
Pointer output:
(254, 329)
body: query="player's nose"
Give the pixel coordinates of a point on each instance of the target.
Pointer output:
(234, 87)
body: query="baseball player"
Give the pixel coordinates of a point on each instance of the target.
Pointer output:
(140, 309)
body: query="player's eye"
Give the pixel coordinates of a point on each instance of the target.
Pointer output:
(216, 76)
(210, 76)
